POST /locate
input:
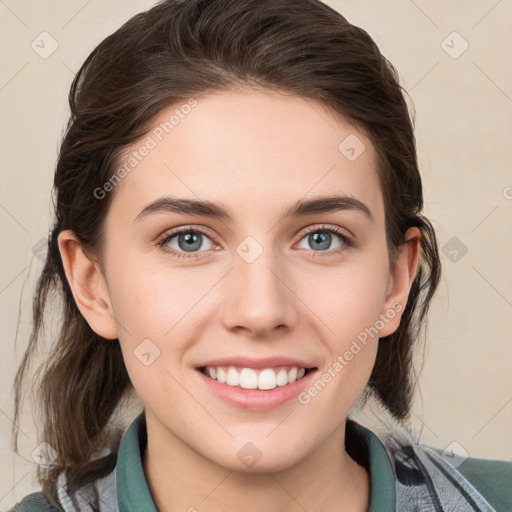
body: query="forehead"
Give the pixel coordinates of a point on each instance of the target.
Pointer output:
(249, 149)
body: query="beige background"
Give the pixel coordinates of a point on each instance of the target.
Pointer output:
(464, 116)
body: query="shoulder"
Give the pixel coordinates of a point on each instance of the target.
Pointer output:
(35, 502)
(482, 482)
(100, 495)
(425, 474)
(491, 477)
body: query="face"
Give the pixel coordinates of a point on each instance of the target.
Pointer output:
(254, 286)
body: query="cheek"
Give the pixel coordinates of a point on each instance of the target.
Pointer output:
(153, 300)
(348, 303)
(348, 299)
(156, 310)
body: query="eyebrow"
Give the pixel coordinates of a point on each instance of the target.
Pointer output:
(300, 208)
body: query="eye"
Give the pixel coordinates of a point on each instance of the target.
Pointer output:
(188, 242)
(185, 243)
(321, 238)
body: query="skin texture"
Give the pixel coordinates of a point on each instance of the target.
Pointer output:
(256, 152)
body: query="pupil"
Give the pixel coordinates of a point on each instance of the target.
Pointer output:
(190, 239)
(317, 237)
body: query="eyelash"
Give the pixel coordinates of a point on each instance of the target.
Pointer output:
(162, 241)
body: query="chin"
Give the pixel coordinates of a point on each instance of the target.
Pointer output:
(258, 457)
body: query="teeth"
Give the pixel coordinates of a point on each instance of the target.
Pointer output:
(267, 379)
(233, 378)
(282, 378)
(221, 375)
(248, 378)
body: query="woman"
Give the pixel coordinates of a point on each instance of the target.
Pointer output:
(239, 240)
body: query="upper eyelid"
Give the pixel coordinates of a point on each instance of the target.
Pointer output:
(205, 231)
(202, 229)
(327, 227)
(185, 229)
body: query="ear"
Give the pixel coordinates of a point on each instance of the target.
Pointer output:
(88, 286)
(400, 281)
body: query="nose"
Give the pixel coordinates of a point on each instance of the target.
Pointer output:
(259, 298)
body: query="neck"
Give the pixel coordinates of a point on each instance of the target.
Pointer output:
(327, 479)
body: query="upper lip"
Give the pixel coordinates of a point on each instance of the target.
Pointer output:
(265, 362)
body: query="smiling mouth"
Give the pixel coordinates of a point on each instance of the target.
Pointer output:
(261, 378)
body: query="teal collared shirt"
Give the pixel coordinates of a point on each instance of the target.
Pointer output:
(133, 493)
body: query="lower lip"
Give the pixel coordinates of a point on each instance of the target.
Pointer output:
(257, 399)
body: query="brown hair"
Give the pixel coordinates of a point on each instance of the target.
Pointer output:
(179, 49)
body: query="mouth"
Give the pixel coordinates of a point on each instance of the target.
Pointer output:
(256, 384)
(263, 379)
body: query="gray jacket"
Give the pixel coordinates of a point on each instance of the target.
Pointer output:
(404, 476)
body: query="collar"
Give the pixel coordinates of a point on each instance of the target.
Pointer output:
(364, 446)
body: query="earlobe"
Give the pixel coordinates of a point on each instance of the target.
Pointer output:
(88, 286)
(401, 279)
